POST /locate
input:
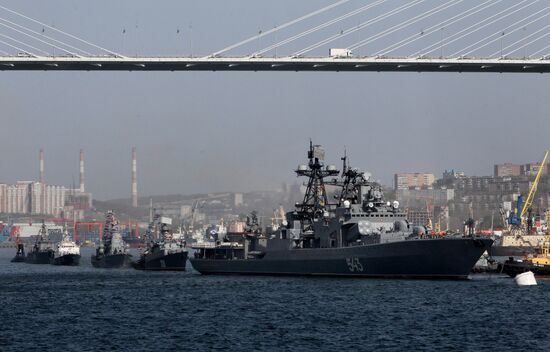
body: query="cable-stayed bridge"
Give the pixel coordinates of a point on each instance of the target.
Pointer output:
(401, 36)
(273, 64)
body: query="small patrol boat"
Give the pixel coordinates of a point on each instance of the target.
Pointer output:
(20, 254)
(67, 252)
(539, 264)
(112, 251)
(164, 250)
(42, 250)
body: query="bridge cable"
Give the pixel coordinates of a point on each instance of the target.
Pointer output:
(503, 33)
(38, 39)
(470, 29)
(287, 24)
(17, 48)
(360, 26)
(404, 24)
(499, 34)
(318, 27)
(541, 51)
(457, 18)
(5, 53)
(522, 39)
(62, 32)
(46, 36)
(24, 44)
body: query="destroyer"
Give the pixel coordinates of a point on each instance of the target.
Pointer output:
(42, 250)
(359, 235)
(67, 252)
(112, 251)
(164, 251)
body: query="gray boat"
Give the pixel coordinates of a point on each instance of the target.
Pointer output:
(165, 251)
(43, 248)
(359, 235)
(112, 251)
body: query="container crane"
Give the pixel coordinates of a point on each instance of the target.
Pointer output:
(517, 218)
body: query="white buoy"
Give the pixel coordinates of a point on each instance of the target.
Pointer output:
(526, 279)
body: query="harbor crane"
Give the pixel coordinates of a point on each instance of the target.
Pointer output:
(518, 217)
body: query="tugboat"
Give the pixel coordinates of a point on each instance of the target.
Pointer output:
(359, 235)
(67, 252)
(20, 254)
(112, 251)
(539, 264)
(163, 251)
(42, 250)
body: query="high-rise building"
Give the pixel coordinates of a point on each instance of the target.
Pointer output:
(507, 169)
(28, 197)
(413, 179)
(531, 169)
(238, 199)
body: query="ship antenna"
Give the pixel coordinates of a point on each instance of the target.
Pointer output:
(344, 161)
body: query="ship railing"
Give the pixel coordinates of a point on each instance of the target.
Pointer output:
(204, 245)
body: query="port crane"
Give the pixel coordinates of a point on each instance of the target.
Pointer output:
(517, 219)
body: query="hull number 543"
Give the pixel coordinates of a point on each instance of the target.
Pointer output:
(354, 265)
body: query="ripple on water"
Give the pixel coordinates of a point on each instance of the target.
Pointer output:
(85, 309)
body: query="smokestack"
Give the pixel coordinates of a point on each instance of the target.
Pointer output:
(134, 179)
(41, 176)
(82, 171)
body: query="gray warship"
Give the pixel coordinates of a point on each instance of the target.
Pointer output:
(112, 251)
(163, 250)
(359, 235)
(42, 250)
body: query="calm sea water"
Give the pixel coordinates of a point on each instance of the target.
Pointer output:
(49, 308)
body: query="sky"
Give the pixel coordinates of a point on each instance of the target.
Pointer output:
(201, 132)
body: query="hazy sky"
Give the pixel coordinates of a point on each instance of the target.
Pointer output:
(216, 131)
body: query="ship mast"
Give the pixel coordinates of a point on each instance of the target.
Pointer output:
(315, 199)
(108, 229)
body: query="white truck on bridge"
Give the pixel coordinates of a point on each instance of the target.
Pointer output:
(335, 52)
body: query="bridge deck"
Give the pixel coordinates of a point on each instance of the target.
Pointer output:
(364, 64)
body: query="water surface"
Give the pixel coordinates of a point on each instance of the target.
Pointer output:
(50, 308)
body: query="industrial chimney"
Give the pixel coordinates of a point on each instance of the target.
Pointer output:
(134, 179)
(41, 176)
(82, 171)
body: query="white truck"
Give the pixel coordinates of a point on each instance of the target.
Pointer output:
(335, 52)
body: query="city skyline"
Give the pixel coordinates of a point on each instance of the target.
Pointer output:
(200, 132)
(41, 171)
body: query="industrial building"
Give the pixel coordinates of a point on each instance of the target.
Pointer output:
(37, 197)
